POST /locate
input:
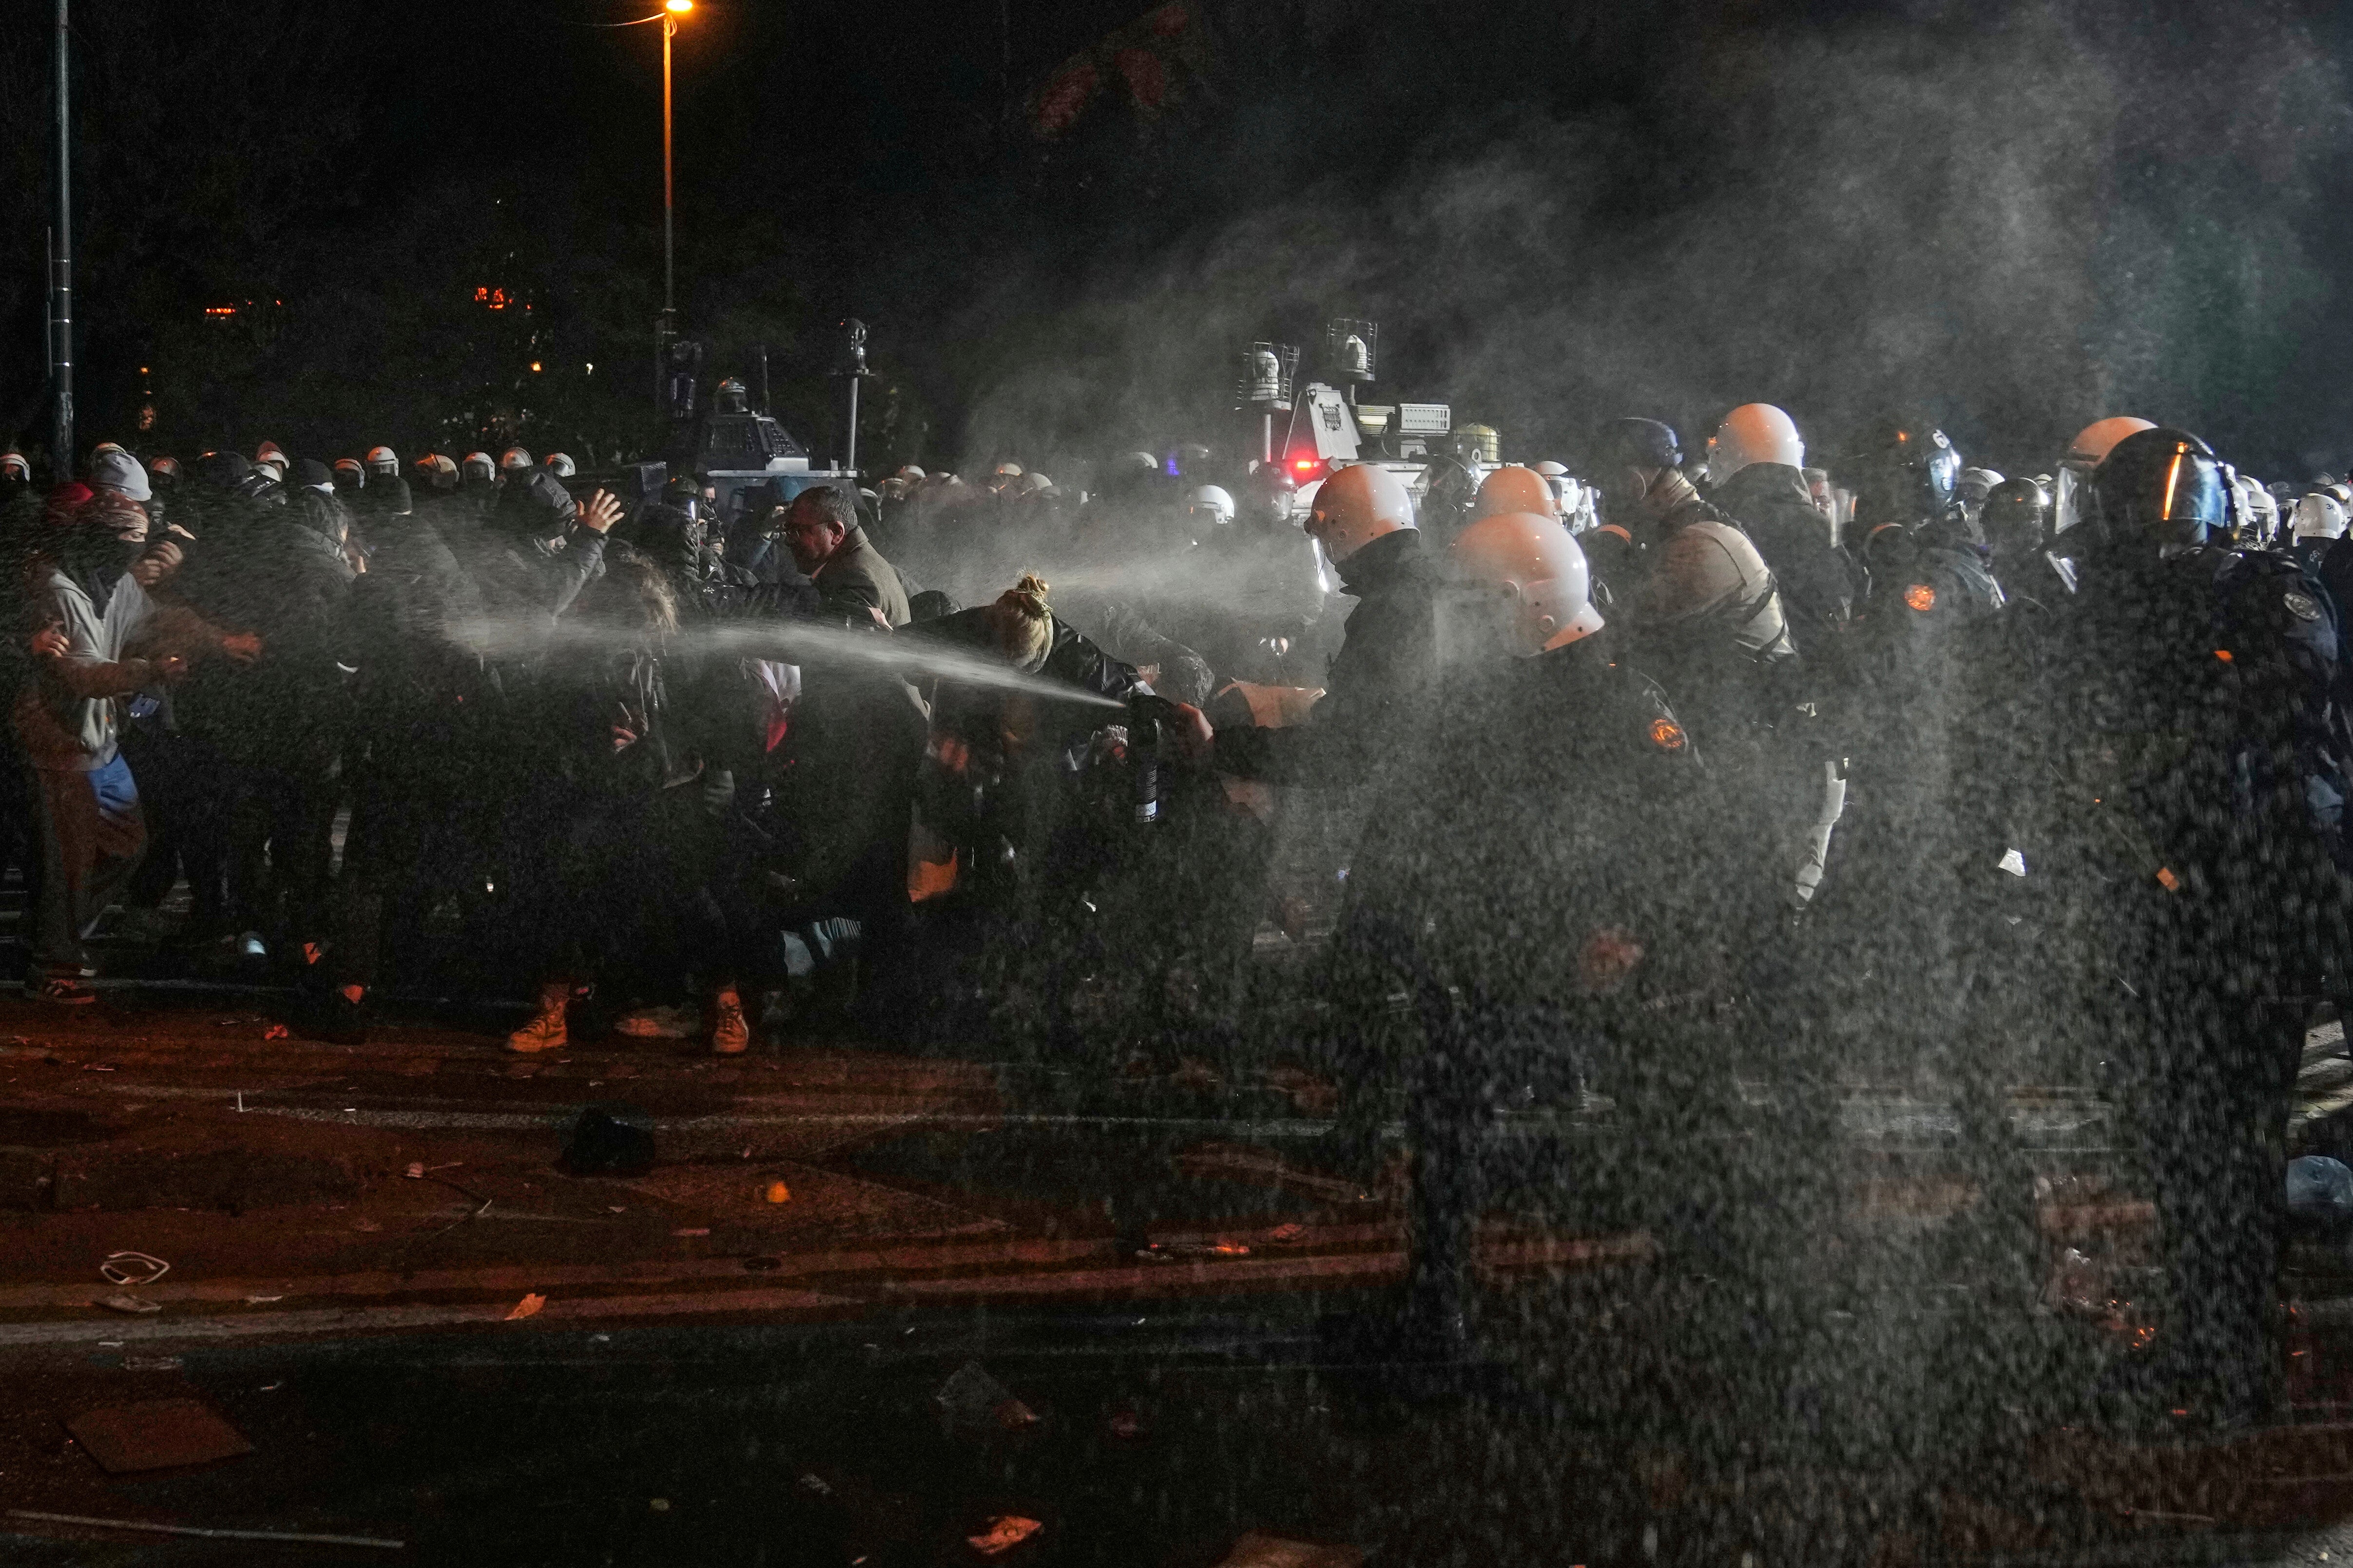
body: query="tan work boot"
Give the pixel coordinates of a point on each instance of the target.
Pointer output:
(731, 1034)
(545, 1032)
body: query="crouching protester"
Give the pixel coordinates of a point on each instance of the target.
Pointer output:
(1002, 776)
(814, 882)
(98, 640)
(610, 882)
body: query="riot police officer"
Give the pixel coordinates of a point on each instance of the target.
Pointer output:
(2263, 512)
(1702, 613)
(2173, 787)
(478, 483)
(1625, 453)
(1514, 489)
(1452, 490)
(1570, 789)
(1701, 607)
(1755, 477)
(1358, 735)
(2016, 524)
(2318, 523)
(1888, 923)
(1364, 522)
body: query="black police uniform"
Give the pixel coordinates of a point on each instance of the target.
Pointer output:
(1543, 843)
(1818, 582)
(1901, 681)
(2168, 799)
(1374, 684)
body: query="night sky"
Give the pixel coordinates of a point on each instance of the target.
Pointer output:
(2014, 218)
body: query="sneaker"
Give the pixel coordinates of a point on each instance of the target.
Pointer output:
(658, 1024)
(70, 993)
(545, 1031)
(729, 1034)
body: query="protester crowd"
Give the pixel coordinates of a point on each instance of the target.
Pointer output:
(1905, 765)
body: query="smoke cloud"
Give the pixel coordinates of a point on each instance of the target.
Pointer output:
(2018, 217)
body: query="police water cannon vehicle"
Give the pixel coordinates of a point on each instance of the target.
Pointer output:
(743, 455)
(1311, 429)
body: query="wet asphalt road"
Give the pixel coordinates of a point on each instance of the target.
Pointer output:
(1153, 1435)
(1601, 1415)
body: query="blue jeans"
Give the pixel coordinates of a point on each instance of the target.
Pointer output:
(91, 840)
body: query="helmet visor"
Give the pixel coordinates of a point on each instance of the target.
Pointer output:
(1940, 473)
(2193, 495)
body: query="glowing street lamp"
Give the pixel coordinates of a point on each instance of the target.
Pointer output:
(671, 11)
(668, 16)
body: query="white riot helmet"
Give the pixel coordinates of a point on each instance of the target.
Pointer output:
(1753, 433)
(515, 460)
(1563, 488)
(2243, 491)
(2094, 440)
(384, 462)
(2319, 515)
(1542, 567)
(561, 464)
(1209, 504)
(1360, 503)
(1974, 485)
(2262, 515)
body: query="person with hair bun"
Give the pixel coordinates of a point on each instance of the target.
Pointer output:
(1003, 779)
(1020, 627)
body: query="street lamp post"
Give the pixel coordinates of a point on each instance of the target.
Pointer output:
(61, 410)
(666, 324)
(671, 11)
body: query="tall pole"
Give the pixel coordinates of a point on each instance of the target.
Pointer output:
(61, 428)
(669, 262)
(851, 461)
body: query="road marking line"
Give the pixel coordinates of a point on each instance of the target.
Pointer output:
(362, 1320)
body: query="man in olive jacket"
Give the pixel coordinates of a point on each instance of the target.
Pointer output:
(822, 531)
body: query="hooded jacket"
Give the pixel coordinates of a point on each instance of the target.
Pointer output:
(66, 712)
